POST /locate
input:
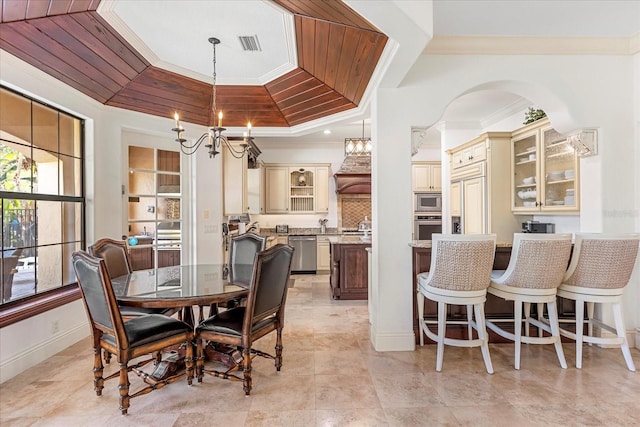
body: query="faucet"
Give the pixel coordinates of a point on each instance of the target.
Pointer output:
(252, 227)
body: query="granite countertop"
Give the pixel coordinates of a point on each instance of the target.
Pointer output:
(427, 244)
(310, 231)
(351, 240)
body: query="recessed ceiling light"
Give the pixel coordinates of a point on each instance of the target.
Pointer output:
(327, 131)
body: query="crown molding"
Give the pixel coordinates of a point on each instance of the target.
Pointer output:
(505, 112)
(496, 45)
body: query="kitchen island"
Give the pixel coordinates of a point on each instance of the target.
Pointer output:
(349, 267)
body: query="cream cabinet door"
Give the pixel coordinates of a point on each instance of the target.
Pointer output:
(478, 153)
(426, 176)
(436, 177)
(276, 197)
(322, 190)
(323, 257)
(474, 210)
(455, 199)
(234, 181)
(471, 154)
(254, 191)
(420, 177)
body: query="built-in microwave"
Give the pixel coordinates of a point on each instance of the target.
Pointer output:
(428, 202)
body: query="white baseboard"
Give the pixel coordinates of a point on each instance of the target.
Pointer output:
(32, 356)
(393, 342)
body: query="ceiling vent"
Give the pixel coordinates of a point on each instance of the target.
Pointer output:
(250, 43)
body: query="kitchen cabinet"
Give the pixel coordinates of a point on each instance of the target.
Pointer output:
(296, 189)
(471, 153)
(480, 189)
(234, 182)
(141, 255)
(255, 190)
(349, 271)
(276, 184)
(302, 182)
(545, 171)
(322, 189)
(473, 200)
(168, 257)
(456, 201)
(323, 254)
(426, 176)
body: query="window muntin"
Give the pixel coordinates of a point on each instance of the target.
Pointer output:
(41, 191)
(154, 206)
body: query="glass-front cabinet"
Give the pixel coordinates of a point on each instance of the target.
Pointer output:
(545, 169)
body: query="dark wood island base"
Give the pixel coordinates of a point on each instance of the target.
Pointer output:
(349, 268)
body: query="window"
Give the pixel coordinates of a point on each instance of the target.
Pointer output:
(41, 190)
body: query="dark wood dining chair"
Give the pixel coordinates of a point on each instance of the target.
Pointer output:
(116, 259)
(242, 252)
(263, 313)
(127, 340)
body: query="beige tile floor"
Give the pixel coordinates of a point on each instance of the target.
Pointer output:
(332, 376)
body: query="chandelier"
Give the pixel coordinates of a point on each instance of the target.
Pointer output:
(357, 146)
(213, 139)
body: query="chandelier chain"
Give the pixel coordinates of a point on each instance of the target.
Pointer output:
(213, 102)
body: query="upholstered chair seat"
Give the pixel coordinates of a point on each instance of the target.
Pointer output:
(126, 340)
(599, 272)
(535, 270)
(239, 327)
(459, 274)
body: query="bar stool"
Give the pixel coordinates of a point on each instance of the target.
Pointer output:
(535, 270)
(460, 273)
(600, 269)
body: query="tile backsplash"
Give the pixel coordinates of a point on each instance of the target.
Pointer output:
(352, 209)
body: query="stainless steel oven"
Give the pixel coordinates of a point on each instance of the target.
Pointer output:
(426, 225)
(428, 202)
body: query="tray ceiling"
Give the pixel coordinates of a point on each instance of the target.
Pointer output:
(333, 57)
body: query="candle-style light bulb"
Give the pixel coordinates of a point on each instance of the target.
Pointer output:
(220, 119)
(249, 127)
(177, 118)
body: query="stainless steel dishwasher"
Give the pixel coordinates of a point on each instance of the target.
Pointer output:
(304, 256)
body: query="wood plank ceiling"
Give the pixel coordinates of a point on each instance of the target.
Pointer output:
(337, 53)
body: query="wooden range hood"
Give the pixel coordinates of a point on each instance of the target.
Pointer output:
(353, 183)
(354, 176)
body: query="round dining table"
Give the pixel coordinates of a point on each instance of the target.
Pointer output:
(180, 286)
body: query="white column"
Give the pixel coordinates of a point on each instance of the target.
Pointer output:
(392, 314)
